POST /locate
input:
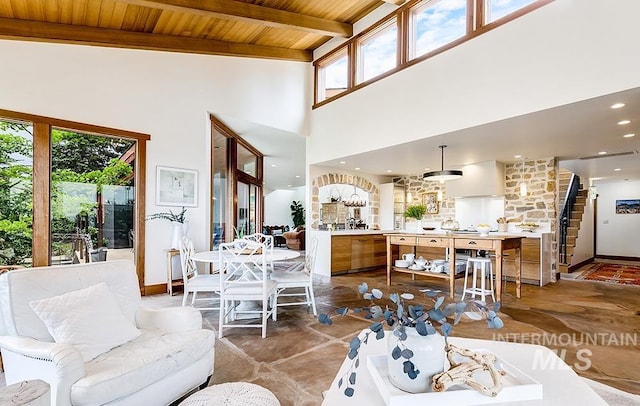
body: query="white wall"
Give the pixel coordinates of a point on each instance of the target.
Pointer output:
(617, 234)
(167, 95)
(277, 206)
(550, 57)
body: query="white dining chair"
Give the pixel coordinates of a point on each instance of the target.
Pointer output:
(244, 278)
(195, 282)
(298, 283)
(266, 239)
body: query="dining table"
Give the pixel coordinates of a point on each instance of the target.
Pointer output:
(278, 254)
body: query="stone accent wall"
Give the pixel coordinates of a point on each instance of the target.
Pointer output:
(419, 187)
(540, 205)
(345, 179)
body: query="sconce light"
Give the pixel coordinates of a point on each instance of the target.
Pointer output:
(409, 197)
(439, 195)
(523, 185)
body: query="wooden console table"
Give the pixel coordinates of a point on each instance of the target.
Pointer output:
(497, 244)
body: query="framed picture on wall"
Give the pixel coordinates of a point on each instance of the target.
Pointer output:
(176, 187)
(629, 206)
(431, 203)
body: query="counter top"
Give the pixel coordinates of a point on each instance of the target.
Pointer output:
(470, 234)
(361, 232)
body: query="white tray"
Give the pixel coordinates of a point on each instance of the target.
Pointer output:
(516, 386)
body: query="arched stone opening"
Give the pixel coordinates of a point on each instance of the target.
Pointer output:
(345, 179)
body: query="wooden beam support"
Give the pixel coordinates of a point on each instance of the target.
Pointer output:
(395, 2)
(63, 33)
(252, 13)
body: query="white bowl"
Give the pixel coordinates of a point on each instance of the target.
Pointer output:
(484, 231)
(400, 263)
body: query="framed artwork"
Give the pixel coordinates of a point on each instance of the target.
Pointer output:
(431, 203)
(630, 206)
(176, 187)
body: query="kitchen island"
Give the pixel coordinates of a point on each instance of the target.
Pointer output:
(346, 251)
(497, 243)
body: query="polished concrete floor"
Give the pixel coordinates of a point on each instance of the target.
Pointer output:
(594, 326)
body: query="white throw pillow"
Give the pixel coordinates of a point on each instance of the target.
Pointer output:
(90, 319)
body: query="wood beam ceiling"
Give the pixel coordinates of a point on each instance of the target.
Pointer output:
(235, 10)
(63, 33)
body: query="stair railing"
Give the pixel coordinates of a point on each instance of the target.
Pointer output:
(565, 214)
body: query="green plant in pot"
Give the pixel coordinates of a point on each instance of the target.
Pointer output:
(297, 213)
(416, 350)
(416, 212)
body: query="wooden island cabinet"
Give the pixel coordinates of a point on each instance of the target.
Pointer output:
(356, 252)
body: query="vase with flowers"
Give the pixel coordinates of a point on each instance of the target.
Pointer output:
(416, 212)
(417, 350)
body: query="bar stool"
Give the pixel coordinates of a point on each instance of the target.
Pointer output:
(481, 264)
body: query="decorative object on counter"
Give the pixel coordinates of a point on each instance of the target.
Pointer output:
(502, 224)
(450, 225)
(431, 203)
(528, 227)
(442, 174)
(179, 222)
(355, 200)
(483, 229)
(297, 213)
(416, 212)
(416, 350)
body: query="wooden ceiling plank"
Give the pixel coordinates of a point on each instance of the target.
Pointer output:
(79, 12)
(62, 33)
(119, 12)
(66, 11)
(229, 9)
(106, 13)
(92, 13)
(36, 10)
(20, 9)
(5, 9)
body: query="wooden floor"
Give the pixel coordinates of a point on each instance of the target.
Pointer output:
(593, 326)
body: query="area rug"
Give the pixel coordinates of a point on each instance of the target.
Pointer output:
(612, 273)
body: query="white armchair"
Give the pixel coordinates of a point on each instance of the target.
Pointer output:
(171, 355)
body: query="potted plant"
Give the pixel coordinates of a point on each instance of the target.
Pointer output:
(179, 222)
(416, 212)
(416, 349)
(297, 213)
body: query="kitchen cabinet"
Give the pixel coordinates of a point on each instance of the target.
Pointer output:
(536, 261)
(392, 205)
(357, 252)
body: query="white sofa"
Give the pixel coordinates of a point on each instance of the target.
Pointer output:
(171, 356)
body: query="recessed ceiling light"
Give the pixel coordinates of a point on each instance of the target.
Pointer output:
(617, 170)
(517, 156)
(357, 169)
(629, 135)
(427, 169)
(388, 170)
(297, 176)
(623, 122)
(274, 165)
(343, 162)
(617, 105)
(602, 153)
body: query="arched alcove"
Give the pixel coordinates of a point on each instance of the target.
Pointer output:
(345, 179)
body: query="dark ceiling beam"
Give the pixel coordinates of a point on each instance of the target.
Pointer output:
(63, 33)
(247, 12)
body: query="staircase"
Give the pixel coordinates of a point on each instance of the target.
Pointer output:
(576, 200)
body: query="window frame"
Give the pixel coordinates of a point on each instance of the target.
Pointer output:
(370, 35)
(475, 26)
(41, 242)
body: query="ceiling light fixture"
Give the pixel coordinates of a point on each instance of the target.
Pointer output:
(629, 135)
(617, 105)
(624, 122)
(523, 185)
(442, 174)
(617, 170)
(602, 153)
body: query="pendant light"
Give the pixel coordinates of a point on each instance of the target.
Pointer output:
(355, 200)
(442, 174)
(523, 185)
